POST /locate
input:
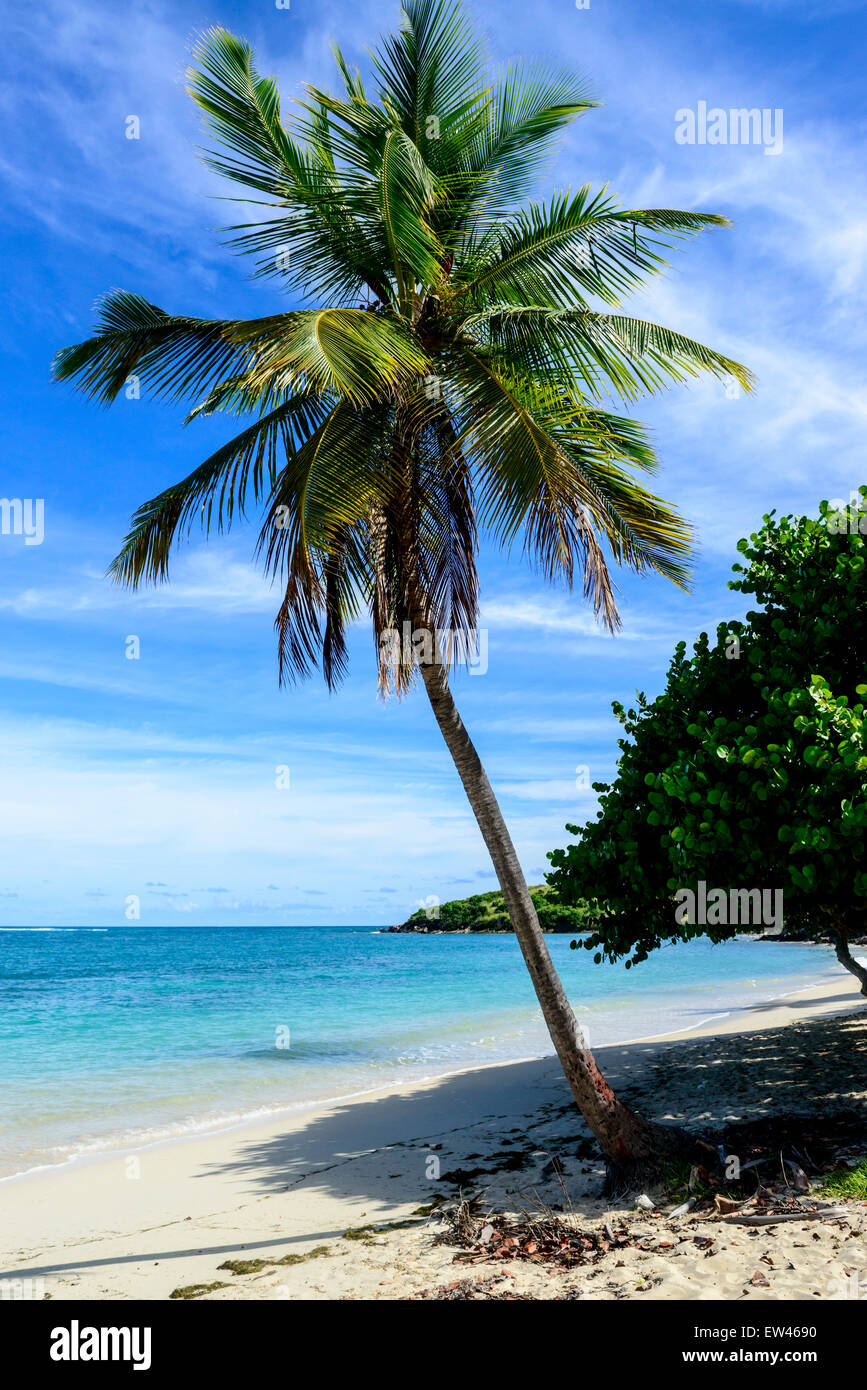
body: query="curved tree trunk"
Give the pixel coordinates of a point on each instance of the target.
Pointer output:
(846, 959)
(634, 1148)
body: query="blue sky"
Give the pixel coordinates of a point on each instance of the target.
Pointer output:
(156, 777)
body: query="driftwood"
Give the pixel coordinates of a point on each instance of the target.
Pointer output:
(822, 1214)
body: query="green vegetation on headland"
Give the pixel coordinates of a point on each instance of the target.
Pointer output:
(486, 912)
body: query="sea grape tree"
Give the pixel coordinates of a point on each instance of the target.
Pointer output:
(747, 775)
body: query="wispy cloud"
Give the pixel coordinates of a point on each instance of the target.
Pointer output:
(203, 580)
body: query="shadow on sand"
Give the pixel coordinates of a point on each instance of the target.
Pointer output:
(804, 1067)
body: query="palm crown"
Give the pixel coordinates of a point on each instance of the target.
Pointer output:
(470, 389)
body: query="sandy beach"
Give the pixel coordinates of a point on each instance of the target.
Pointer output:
(144, 1224)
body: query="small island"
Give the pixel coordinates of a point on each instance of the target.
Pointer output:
(486, 912)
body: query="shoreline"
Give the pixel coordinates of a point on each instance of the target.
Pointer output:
(266, 1115)
(143, 1224)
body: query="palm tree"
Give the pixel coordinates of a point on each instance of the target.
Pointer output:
(458, 372)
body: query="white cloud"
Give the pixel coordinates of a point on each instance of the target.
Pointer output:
(203, 580)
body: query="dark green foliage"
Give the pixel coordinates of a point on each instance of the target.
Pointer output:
(750, 769)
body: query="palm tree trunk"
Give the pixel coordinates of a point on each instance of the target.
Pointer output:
(633, 1147)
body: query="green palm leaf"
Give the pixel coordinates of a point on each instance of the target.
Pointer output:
(349, 352)
(243, 110)
(407, 191)
(431, 72)
(175, 355)
(526, 481)
(530, 103)
(574, 247)
(599, 352)
(216, 491)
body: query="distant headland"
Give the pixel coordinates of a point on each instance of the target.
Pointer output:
(486, 912)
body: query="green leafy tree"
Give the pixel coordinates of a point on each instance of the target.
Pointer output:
(749, 772)
(454, 374)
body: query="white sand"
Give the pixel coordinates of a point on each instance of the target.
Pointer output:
(139, 1225)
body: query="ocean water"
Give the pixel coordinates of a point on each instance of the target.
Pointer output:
(118, 1037)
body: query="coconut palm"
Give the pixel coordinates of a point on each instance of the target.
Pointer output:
(463, 367)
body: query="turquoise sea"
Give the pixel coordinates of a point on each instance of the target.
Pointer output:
(121, 1036)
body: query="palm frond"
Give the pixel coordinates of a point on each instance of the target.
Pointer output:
(215, 492)
(175, 355)
(351, 80)
(407, 192)
(243, 110)
(643, 531)
(315, 230)
(448, 539)
(348, 352)
(576, 246)
(599, 352)
(529, 104)
(431, 72)
(313, 533)
(526, 482)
